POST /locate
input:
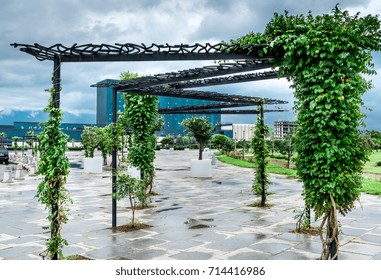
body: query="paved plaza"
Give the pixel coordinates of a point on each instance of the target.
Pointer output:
(191, 218)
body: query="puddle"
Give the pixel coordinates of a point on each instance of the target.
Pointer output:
(168, 209)
(199, 223)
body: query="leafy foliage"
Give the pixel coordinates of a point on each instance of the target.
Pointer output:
(261, 152)
(325, 57)
(128, 186)
(90, 140)
(223, 143)
(54, 166)
(141, 115)
(199, 128)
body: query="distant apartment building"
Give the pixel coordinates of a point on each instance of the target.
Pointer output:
(282, 128)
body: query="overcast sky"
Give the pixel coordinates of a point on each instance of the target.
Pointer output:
(23, 78)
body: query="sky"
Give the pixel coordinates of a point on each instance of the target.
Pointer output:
(23, 79)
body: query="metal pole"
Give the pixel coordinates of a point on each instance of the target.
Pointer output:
(57, 81)
(114, 157)
(263, 199)
(56, 102)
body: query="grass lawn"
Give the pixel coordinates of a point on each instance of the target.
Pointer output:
(371, 166)
(271, 168)
(370, 186)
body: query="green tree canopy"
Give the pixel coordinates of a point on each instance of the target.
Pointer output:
(199, 128)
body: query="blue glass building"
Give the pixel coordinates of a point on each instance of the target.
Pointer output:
(172, 122)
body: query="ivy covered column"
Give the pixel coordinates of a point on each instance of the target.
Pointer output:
(325, 57)
(54, 166)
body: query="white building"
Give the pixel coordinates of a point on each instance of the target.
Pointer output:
(243, 131)
(281, 128)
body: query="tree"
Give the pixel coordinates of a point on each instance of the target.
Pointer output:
(167, 141)
(199, 128)
(287, 146)
(105, 141)
(325, 57)
(15, 143)
(3, 135)
(223, 143)
(90, 140)
(54, 167)
(128, 186)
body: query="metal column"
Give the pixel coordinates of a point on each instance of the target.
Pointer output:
(263, 199)
(114, 156)
(56, 101)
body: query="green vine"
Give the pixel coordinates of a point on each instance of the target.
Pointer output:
(325, 57)
(141, 115)
(261, 152)
(54, 166)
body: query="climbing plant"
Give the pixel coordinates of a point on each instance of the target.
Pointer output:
(325, 58)
(54, 167)
(141, 115)
(261, 152)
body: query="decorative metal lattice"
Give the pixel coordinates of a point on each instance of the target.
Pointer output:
(218, 105)
(250, 77)
(206, 95)
(193, 74)
(222, 112)
(138, 52)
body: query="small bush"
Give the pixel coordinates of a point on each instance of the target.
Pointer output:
(378, 163)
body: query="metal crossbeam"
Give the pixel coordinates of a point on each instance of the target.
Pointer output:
(196, 73)
(249, 77)
(142, 52)
(222, 112)
(205, 95)
(219, 105)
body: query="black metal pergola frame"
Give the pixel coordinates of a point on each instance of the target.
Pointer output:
(247, 59)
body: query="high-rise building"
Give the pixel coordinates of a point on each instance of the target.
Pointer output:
(172, 122)
(281, 128)
(104, 103)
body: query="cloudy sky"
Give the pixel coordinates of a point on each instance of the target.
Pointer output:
(23, 78)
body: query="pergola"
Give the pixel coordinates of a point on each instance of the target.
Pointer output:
(169, 84)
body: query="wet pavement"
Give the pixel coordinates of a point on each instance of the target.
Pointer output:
(191, 218)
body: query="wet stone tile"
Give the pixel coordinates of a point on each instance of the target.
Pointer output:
(376, 239)
(361, 248)
(353, 231)
(290, 255)
(271, 248)
(148, 254)
(192, 256)
(253, 255)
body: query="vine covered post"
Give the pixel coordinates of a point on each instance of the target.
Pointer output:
(54, 166)
(325, 58)
(141, 116)
(261, 152)
(114, 157)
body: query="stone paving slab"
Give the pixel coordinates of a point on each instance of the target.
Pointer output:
(191, 218)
